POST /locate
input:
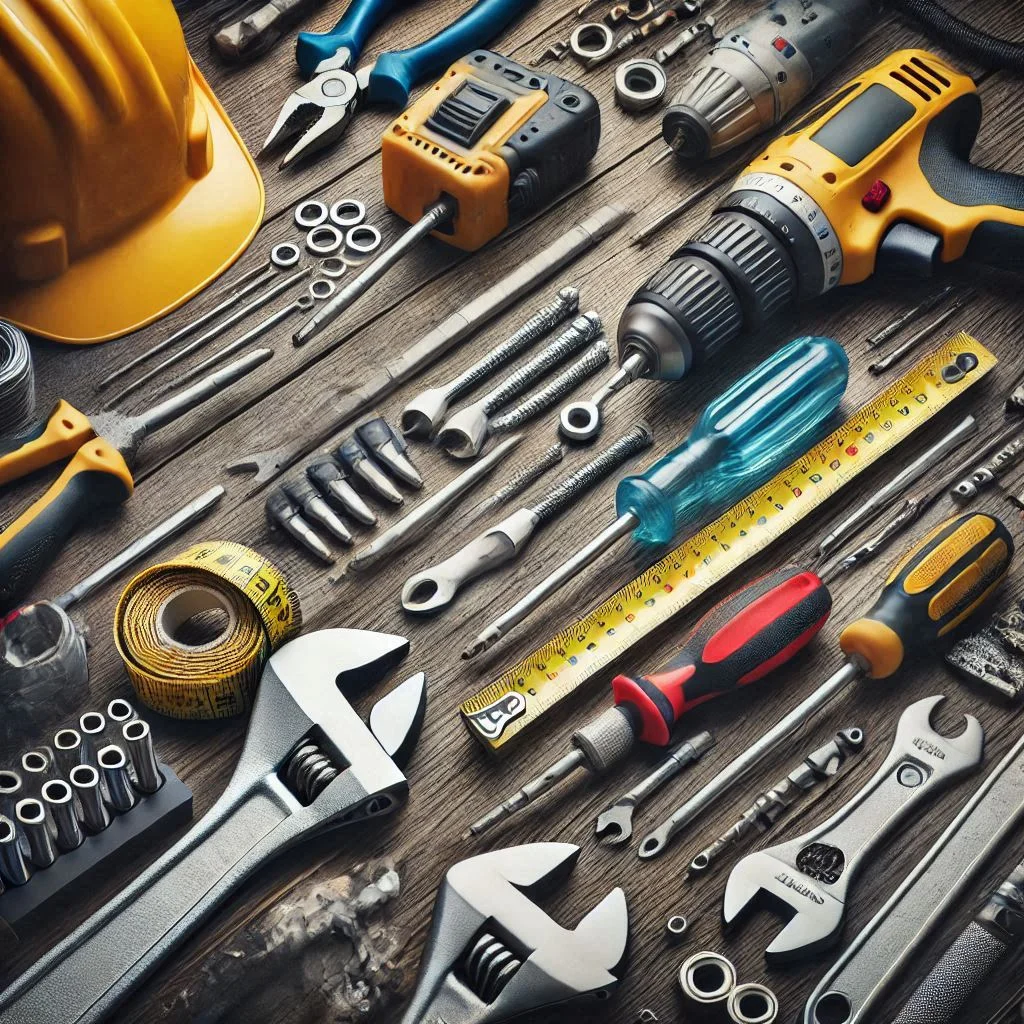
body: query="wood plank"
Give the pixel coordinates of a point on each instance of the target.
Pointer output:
(290, 394)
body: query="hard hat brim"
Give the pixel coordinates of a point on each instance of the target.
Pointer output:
(163, 261)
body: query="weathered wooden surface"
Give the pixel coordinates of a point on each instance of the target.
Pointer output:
(452, 780)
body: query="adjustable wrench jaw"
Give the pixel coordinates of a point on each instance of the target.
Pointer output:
(494, 955)
(807, 880)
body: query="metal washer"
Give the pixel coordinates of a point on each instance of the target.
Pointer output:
(321, 288)
(311, 213)
(325, 240)
(347, 213)
(360, 243)
(285, 255)
(640, 84)
(333, 266)
(580, 41)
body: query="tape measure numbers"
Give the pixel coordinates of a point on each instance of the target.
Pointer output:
(194, 632)
(524, 692)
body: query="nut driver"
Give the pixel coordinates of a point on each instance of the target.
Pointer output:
(105, 448)
(808, 879)
(934, 587)
(310, 764)
(332, 480)
(494, 955)
(390, 449)
(746, 435)
(737, 642)
(317, 114)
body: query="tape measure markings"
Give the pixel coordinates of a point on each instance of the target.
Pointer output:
(506, 707)
(217, 678)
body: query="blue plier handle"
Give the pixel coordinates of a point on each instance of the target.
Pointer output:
(394, 74)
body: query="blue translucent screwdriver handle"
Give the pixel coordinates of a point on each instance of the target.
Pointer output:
(394, 74)
(751, 431)
(361, 17)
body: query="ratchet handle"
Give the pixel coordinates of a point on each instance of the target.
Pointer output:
(361, 17)
(44, 442)
(737, 642)
(84, 977)
(935, 587)
(394, 74)
(96, 477)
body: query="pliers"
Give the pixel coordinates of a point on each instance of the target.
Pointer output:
(319, 111)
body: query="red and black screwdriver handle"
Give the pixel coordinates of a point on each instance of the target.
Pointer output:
(740, 640)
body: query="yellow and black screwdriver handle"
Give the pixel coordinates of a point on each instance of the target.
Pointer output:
(934, 588)
(97, 476)
(886, 160)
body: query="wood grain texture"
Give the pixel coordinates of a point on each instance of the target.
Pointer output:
(452, 780)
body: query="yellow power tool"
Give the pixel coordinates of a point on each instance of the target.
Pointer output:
(876, 179)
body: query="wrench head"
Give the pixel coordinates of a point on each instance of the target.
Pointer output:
(494, 955)
(304, 732)
(266, 464)
(615, 825)
(778, 879)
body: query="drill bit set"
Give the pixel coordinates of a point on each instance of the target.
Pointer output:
(88, 799)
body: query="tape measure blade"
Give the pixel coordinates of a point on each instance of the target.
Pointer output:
(505, 708)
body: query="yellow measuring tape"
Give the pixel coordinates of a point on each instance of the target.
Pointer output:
(524, 692)
(194, 632)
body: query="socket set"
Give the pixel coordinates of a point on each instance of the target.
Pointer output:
(79, 804)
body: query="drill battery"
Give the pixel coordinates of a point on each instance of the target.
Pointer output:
(498, 138)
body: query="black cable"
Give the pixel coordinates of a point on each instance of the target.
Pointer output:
(988, 50)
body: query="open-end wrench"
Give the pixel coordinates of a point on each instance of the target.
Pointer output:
(808, 879)
(615, 824)
(309, 764)
(493, 954)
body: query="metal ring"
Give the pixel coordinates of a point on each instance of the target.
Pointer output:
(284, 255)
(333, 266)
(591, 41)
(640, 84)
(752, 1004)
(360, 241)
(321, 288)
(324, 240)
(311, 213)
(346, 213)
(706, 979)
(675, 927)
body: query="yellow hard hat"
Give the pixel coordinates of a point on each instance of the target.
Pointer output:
(124, 188)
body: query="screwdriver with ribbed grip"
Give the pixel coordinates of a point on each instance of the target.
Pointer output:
(739, 641)
(935, 587)
(766, 419)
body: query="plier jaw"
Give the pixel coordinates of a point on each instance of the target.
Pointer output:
(317, 113)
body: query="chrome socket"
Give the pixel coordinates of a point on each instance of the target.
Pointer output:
(14, 869)
(119, 713)
(138, 739)
(34, 820)
(85, 781)
(68, 750)
(59, 799)
(36, 769)
(114, 769)
(92, 725)
(11, 791)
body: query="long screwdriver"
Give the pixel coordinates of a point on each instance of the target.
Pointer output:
(740, 640)
(938, 584)
(753, 429)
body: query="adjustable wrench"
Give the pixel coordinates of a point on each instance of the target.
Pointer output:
(309, 764)
(493, 954)
(808, 879)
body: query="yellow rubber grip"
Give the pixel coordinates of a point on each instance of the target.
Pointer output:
(934, 588)
(46, 442)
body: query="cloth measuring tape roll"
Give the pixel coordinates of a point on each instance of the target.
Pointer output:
(17, 380)
(194, 632)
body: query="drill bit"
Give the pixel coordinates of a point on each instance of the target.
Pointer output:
(771, 804)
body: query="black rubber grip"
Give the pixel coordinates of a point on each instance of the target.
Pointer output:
(12, 442)
(945, 161)
(25, 554)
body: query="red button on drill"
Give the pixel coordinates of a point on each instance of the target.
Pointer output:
(876, 197)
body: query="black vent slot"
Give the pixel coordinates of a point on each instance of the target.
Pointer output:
(467, 113)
